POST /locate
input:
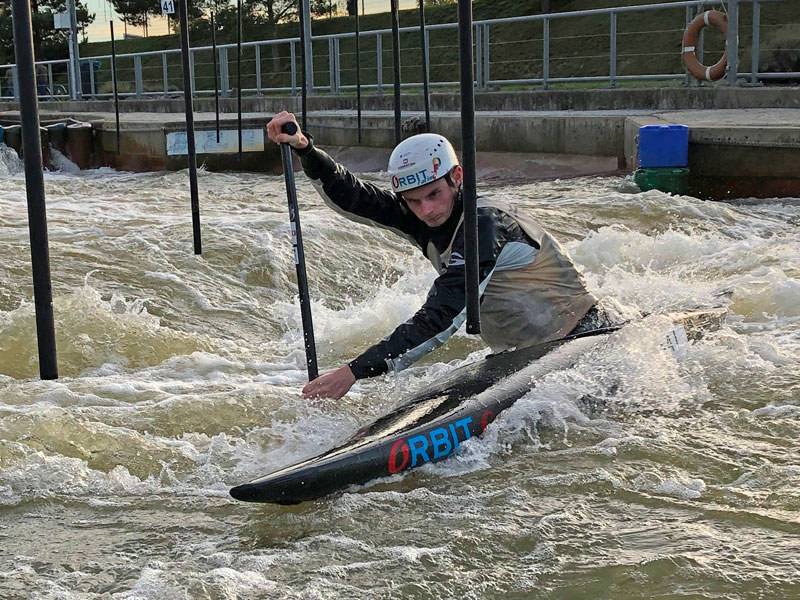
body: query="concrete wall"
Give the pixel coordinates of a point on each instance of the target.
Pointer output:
(583, 100)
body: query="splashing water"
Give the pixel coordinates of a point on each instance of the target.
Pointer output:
(631, 473)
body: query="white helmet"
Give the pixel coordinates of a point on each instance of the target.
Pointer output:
(419, 160)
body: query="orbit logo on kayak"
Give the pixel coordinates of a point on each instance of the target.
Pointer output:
(432, 445)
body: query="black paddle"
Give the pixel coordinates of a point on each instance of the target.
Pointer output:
(299, 255)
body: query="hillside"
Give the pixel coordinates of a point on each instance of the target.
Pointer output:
(648, 43)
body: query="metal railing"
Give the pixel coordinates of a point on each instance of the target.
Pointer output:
(536, 50)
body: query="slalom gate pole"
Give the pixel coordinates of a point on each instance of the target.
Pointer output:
(425, 74)
(396, 59)
(114, 81)
(216, 68)
(34, 188)
(190, 146)
(304, 87)
(358, 73)
(239, 74)
(468, 162)
(299, 255)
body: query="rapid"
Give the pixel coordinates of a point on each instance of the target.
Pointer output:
(180, 376)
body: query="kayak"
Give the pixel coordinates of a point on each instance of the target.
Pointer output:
(430, 426)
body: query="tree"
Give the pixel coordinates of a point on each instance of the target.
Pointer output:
(137, 12)
(49, 43)
(325, 8)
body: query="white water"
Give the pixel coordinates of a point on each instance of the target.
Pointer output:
(181, 376)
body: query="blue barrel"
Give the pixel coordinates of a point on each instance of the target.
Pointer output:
(663, 146)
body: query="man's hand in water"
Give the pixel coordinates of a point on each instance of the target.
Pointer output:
(331, 385)
(297, 141)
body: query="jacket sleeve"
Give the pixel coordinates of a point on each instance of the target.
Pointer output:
(444, 310)
(355, 199)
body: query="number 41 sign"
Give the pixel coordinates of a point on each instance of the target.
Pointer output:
(167, 7)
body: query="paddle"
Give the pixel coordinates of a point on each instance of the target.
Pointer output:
(299, 255)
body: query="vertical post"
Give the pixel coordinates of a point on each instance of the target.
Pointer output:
(687, 80)
(468, 160)
(34, 187)
(478, 57)
(756, 42)
(114, 86)
(137, 74)
(91, 79)
(50, 79)
(331, 65)
(545, 53)
(733, 41)
(15, 80)
(190, 146)
(74, 55)
(293, 70)
(308, 59)
(337, 64)
(396, 61)
(193, 83)
(165, 73)
(612, 72)
(486, 76)
(239, 77)
(216, 80)
(358, 72)
(258, 69)
(425, 75)
(303, 79)
(224, 72)
(379, 49)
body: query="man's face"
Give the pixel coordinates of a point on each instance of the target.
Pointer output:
(433, 202)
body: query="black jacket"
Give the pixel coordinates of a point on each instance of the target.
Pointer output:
(444, 310)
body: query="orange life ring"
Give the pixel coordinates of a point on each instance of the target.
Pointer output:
(690, 37)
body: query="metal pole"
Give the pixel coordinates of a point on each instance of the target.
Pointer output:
(239, 74)
(216, 81)
(756, 42)
(358, 72)
(733, 41)
(379, 50)
(468, 160)
(299, 256)
(114, 81)
(74, 55)
(612, 77)
(34, 187)
(308, 58)
(190, 146)
(304, 81)
(396, 60)
(545, 53)
(165, 74)
(425, 80)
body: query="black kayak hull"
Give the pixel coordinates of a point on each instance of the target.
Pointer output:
(431, 425)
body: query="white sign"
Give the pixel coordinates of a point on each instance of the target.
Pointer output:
(167, 7)
(206, 142)
(61, 20)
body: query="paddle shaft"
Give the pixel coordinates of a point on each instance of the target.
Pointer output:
(299, 255)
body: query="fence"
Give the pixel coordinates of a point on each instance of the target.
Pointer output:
(589, 47)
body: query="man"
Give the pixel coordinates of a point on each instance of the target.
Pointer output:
(531, 291)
